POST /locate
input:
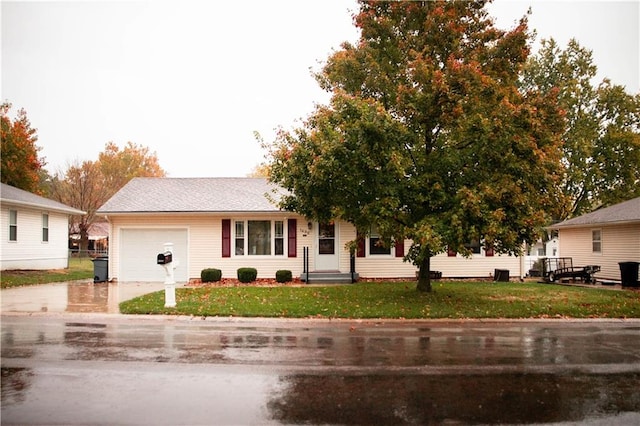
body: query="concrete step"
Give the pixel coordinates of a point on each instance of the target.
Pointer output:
(328, 277)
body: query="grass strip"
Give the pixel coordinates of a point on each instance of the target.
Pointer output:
(79, 269)
(396, 300)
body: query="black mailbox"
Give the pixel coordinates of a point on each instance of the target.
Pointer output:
(164, 258)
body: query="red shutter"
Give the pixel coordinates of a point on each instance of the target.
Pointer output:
(226, 237)
(400, 248)
(292, 225)
(488, 251)
(451, 253)
(361, 248)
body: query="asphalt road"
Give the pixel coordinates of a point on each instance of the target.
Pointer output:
(111, 369)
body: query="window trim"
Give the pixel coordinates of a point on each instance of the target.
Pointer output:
(598, 241)
(283, 237)
(13, 226)
(45, 227)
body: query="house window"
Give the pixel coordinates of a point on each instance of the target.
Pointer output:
(259, 238)
(279, 238)
(596, 241)
(45, 227)
(13, 225)
(239, 238)
(375, 243)
(474, 246)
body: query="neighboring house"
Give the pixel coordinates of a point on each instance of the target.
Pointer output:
(228, 223)
(604, 237)
(98, 238)
(34, 231)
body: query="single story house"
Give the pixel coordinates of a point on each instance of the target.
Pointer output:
(34, 231)
(229, 223)
(604, 237)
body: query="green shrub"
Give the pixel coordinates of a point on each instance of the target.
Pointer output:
(283, 276)
(246, 275)
(210, 275)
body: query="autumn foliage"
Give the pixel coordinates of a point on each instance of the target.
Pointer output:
(21, 164)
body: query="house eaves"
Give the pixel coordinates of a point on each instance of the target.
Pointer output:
(17, 197)
(627, 212)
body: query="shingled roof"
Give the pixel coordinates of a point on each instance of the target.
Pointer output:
(173, 195)
(625, 212)
(19, 197)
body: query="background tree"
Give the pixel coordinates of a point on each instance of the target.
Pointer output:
(88, 185)
(601, 141)
(20, 164)
(120, 166)
(427, 136)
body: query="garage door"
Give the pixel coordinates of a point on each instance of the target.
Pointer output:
(139, 249)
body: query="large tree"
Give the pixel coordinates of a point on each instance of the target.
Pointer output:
(601, 135)
(427, 136)
(20, 164)
(88, 185)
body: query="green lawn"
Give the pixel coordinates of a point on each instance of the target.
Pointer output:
(79, 268)
(397, 300)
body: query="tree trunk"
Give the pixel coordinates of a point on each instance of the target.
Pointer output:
(424, 276)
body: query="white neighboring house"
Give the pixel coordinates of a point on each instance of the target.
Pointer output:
(604, 237)
(228, 223)
(34, 231)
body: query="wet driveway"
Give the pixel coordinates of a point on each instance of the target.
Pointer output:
(74, 296)
(112, 369)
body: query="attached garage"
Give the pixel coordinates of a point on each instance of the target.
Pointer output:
(139, 248)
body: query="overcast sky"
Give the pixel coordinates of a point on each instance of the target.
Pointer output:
(193, 80)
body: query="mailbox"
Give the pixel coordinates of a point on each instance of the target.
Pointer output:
(164, 258)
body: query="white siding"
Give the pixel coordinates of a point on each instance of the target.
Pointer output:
(29, 251)
(205, 250)
(619, 244)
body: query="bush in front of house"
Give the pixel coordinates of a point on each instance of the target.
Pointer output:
(283, 276)
(247, 275)
(210, 275)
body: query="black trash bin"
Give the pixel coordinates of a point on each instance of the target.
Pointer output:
(501, 275)
(100, 269)
(629, 274)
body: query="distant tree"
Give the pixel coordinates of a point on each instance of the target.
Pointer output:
(88, 185)
(120, 166)
(601, 140)
(20, 164)
(427, 136)
(82, 187)
(261, 170)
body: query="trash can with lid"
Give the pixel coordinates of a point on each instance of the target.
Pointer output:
(629, 274)
(100, 269)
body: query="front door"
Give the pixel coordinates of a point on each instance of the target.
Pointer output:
(327, 253)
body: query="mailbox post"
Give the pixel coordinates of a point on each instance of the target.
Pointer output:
(165, 259)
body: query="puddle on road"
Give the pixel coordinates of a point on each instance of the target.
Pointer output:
(452, 399)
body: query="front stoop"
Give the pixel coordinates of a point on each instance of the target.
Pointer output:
(328, 277)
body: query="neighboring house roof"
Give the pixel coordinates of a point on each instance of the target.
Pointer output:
(174, 195)
(97, 230)
(18, 197)
(625, 212)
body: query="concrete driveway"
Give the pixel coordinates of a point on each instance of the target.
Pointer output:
(74, 296)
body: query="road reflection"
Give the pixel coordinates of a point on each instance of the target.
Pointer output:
(398, 399)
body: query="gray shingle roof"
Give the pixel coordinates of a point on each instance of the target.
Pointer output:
(625, 212)
(19, 197)
(156, 195)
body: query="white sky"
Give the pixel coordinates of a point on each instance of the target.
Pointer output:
(192, 80)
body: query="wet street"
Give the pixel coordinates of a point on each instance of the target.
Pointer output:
(113, 369)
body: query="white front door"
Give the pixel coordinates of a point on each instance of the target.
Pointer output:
(327, 253)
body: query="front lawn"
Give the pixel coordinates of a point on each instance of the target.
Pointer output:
(396, 300)
(79, 269)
